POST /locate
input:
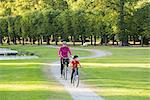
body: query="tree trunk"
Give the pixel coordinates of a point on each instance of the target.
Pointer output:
(1, 39)
(117, 43)
(72, 38)
(56, 41)
(19, 40)
(102, 39)
(41, 40)
(30, 39)
(134, 40)
(26, 41)
(130, 38)
(125, 42)
(105, 40)
(15, 40)
(113, 40)
(38, 41)
(82, 41)
(48, 43)
(142, 41)
(123, 34)
(74, 41)
(23, 41)
(145, 41)
(91, 40)
(95, 40)
(34, 41)
(8, 41)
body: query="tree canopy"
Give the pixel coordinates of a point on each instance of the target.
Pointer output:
(108, 19)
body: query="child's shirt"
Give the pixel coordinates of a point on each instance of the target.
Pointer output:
(74, 64)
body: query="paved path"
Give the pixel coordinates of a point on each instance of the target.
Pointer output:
(82, 92)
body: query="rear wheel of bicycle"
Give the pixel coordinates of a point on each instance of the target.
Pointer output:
(63, 73)
(66, 73)
(76, 81)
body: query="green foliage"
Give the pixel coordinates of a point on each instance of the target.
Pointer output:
(36, 18)
(4, 26)
(139, 22)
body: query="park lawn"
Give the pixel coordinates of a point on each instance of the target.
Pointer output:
(125, 75)
(25, 80)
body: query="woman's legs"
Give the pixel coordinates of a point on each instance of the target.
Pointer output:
(62, 66)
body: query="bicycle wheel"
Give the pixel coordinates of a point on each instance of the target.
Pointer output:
(75, 80)
(66, 72)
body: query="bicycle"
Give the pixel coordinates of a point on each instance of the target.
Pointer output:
(75, 80)
(65, 69)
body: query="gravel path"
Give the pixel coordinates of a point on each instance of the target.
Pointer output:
(82, 92)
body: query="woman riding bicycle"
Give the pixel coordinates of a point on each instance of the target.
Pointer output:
(74, 63)
(63, 53)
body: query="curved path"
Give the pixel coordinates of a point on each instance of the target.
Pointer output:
(82, 92)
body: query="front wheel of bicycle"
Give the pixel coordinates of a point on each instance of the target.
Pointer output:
(66, 73)
(63, 73)
(76, 81)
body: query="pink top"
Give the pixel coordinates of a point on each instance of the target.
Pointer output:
(63, 51)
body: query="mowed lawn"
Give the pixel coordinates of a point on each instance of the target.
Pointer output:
(125, 75)
(25, 79)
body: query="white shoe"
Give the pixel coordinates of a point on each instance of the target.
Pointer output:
(77, 76)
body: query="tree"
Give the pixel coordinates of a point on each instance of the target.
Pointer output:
(25, 27)
(17, 28)
(3, 29)
(139, 24)
(80, 19)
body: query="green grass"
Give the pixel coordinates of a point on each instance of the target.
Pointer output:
(25, 80)
(123, 76)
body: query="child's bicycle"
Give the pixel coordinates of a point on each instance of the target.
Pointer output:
(75, 79)
(65, 69)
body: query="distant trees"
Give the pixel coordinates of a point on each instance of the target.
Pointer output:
(139, 24)
(24, 21)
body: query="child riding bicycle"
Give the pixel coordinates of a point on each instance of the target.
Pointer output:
(74, 64)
